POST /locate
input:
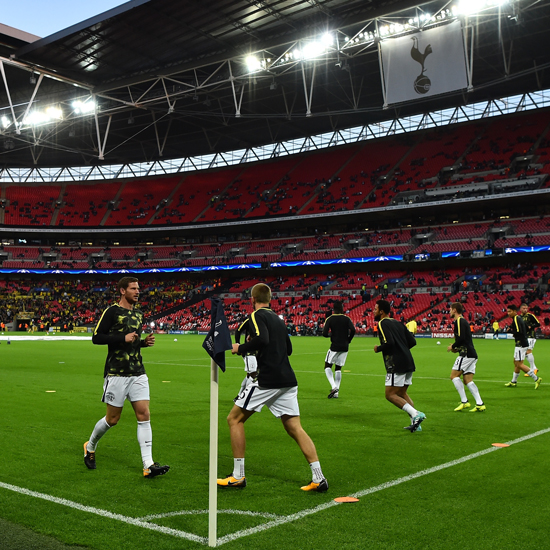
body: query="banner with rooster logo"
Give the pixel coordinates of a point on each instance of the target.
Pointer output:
(424, 64)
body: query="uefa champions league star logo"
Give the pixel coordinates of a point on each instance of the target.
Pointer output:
(422, 83)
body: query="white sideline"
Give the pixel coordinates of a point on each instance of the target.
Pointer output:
(251, 531)
(106, 514)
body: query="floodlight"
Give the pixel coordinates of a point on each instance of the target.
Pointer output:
(54, 113)
(312, 50)
(469, 7)
(83, 107)
(253, 63)
(42, 117)
(6, 123)
(327, 38)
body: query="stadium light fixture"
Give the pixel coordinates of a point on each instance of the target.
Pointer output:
(50, 114)
(328, 39)
(83, 107)
(471, 7)
(6, 122)
(253, 63)
(314, 49)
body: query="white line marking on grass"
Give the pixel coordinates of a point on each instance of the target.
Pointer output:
(199, 512)
(387, 485)
(106, 514)
(376, 375)
(277, 520)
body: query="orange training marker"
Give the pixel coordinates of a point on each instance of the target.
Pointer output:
(346, 499)
(500, 445)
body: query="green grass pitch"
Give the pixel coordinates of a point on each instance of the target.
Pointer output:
(51, 400)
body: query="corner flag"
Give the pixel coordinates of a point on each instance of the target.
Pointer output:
(218, 339)
(216, 342)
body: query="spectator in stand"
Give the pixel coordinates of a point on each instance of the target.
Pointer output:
(412, 326)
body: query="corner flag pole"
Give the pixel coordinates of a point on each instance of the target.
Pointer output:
(217, 341)
(213, 469)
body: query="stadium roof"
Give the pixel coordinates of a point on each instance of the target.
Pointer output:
(170, 78)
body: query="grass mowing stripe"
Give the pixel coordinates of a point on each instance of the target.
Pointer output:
(387, 485)
(106, 514)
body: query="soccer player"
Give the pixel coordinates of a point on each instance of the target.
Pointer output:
(250, 361)
(275, 386)
(395, 344)
(519, 331)
(531, 323)
(341, 331)
(124, 376)
(465, 363)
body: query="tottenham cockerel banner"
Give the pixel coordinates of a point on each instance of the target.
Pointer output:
(424, 64)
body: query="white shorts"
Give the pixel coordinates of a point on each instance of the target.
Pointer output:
(399, 379)
(116, 389)
(519, 354)
(279, 401)
(336, 358)
(465, 364)
(250, 363)
(532, 342)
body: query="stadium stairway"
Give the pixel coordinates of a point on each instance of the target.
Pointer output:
(196, 298)
(114, 201)
(165, 203)
(322, 187)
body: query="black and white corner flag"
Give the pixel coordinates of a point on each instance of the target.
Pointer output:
(218, 339)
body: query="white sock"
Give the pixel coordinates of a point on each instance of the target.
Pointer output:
(330, 377)
(515, 377)
(145, 440)
(532, 374)
(410, 410)
(338, 378)
(99, 431)
(459, 385)
(475, 392)
(238, 468)
(531, 360)
(316, 472)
